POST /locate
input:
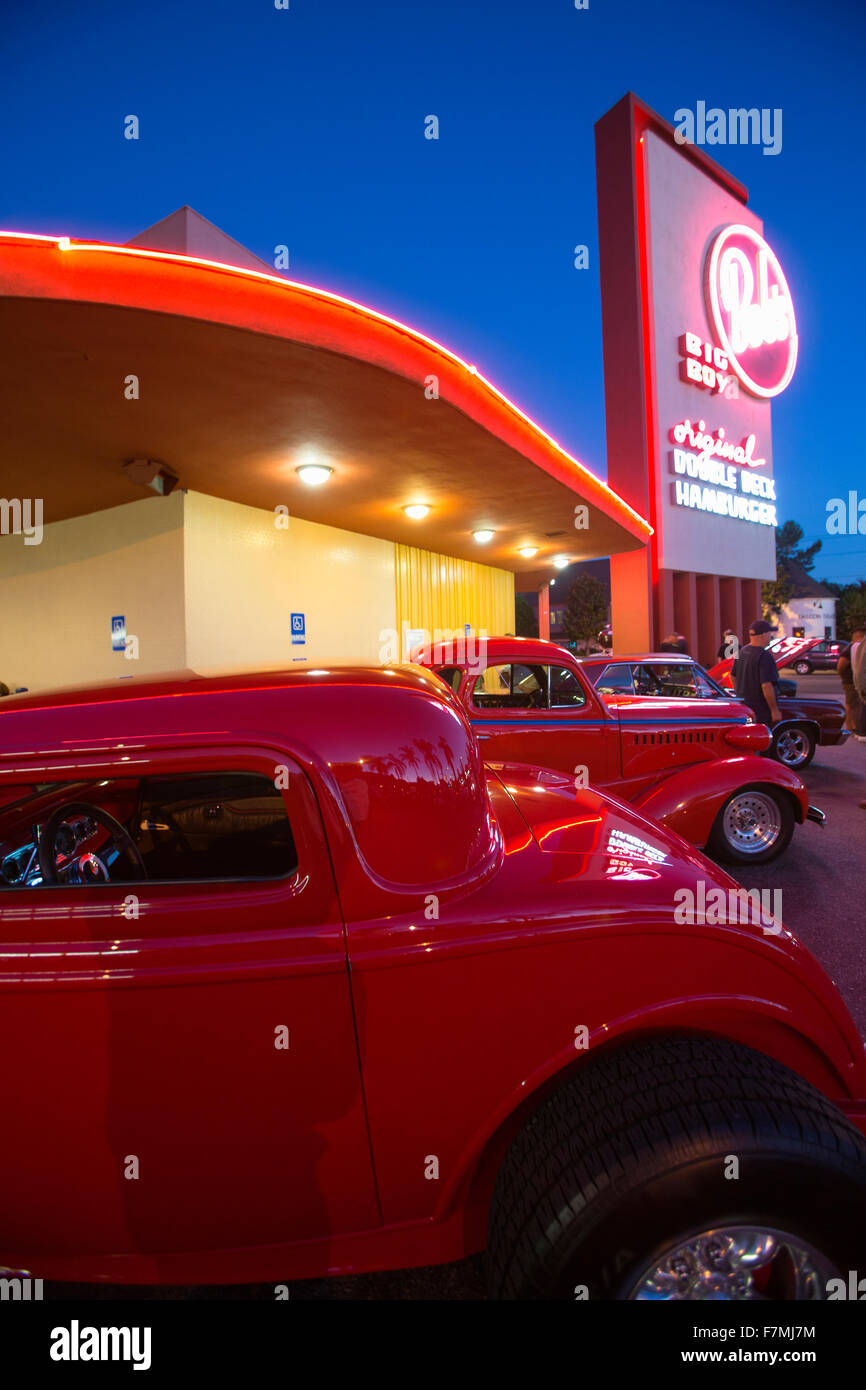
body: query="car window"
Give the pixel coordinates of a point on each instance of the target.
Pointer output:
(673, 679)
(194, 827)
(566, 690)
(707, 688)
(511, 686)
(451, 675)
(615, 679)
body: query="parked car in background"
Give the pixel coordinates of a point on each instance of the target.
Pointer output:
(806, 722)
(821, 655)
(341, 998)
(690, 766)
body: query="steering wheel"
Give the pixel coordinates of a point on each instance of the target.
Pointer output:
(94, 871)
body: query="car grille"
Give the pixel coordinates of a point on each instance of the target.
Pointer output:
(685, 736)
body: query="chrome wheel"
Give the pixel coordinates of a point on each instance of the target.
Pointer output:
(735, 1264)
(793, 747)
(802, 668)
(752, 822)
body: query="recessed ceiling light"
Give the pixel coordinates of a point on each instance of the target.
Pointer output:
(561, 561)
(527, 551)
(417, 510)
(313, 474)
(483, 536)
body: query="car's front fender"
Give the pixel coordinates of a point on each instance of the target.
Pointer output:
(689, 801)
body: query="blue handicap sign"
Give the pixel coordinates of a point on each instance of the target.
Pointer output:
(118, 633)
(299, 629)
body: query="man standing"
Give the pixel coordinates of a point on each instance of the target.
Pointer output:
(757, 676)
(729, 645)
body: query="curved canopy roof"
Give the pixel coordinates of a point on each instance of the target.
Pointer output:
(242, 376)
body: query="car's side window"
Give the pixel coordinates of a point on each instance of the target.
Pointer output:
(707, 689)
(671, 678)
(185, 827)
(511, 686)
(451, 675)
(566, 690)
(615, 679)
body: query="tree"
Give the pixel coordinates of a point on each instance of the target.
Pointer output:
(850, 609)
(788, 538)
(775, 593)
(586, 611)
(526, 623)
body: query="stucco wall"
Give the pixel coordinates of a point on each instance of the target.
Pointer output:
(57, 598)
(245, 576)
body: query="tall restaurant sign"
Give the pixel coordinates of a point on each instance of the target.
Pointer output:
(700, 334)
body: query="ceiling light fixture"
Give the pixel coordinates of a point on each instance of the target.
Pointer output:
(417, 510)
(314, 474)
(561, 562)
(483, 536)
(527, 551)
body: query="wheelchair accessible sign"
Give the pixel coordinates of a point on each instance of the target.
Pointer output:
(299, 630)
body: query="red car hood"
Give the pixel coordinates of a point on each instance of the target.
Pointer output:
(610, 837)
(783, 650)
(641, 709)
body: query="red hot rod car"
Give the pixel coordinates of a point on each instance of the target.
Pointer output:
(264, 944)
(805, 724)
(692, 768)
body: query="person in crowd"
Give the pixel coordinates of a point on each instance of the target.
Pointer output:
(729, 645)
(675, 642)
(857, 656)
(4, 689)
(756, 675)
(846, 672)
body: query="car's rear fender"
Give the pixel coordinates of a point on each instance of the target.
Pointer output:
(689, 801)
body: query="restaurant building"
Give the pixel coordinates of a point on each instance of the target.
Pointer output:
(233, 469)
(207, 465)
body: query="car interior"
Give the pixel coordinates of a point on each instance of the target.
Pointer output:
(534, 687)
(203, 826)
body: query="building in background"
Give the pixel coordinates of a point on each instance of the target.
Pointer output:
(811, 610)
(235, 470)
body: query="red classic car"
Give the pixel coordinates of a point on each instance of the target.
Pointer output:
(292, 985)
(691, 768)
(806, 723)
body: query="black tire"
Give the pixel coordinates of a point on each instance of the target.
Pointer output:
(631, 1154)
(785, 755)
(721, 846)
(803, 668)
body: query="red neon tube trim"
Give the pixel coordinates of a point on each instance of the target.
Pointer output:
(64, 243)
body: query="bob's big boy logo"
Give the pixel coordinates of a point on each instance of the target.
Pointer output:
(751, 310)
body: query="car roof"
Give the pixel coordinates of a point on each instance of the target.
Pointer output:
(188, 682)
(467, 651)
(606, 659)
(367, 734)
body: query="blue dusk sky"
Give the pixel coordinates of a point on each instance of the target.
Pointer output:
(305, 126)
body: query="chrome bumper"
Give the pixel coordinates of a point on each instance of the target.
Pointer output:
(817, 816)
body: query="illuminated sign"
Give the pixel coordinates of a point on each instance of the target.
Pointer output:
(711, 475)
(715, 445)
(707, 366)
(751, 310)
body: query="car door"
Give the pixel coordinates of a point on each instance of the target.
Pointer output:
(185, 1073)
(544, 714)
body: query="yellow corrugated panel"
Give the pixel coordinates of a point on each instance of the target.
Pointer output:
(441, 593)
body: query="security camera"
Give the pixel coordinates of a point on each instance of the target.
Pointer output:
(151, 473)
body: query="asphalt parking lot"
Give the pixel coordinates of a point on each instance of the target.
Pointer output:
(822, 873)
(821, 878)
